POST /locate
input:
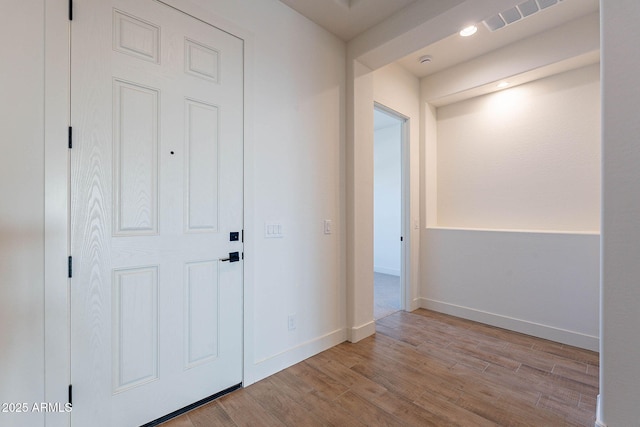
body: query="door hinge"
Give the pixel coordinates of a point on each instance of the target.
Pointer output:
(402, 238)
(242, 255)
(70, 10)
(242, 236)
(70, 137)
(70, 267)
(70, 395)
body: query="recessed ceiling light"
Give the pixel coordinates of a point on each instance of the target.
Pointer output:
(469, 31)
(502, 85)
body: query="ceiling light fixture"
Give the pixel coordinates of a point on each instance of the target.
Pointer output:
(469, 31)
(425, 59)
(502, 85)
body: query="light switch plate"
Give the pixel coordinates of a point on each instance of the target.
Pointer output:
(291, 322)
(273, 230)
(328, 226)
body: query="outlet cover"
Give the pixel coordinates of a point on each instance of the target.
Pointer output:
(291, 321)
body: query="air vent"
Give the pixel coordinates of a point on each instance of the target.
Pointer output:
(494, 23)
(546, 3)
(528, 8)
(517, 13)
(511, 15)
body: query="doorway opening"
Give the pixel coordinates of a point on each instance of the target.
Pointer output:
(388, 211)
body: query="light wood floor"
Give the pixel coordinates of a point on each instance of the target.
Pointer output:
(421, 369)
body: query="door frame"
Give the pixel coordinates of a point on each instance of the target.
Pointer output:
(57, 197)
(56, 209)
(405, 202)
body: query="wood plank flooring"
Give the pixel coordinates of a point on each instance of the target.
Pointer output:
(421, 369)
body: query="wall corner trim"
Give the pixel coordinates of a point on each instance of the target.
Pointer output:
(599, 423)
(361, 332)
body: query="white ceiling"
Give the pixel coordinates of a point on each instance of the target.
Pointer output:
(348, 18)
(455, 49)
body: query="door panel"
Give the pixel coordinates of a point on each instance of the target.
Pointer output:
(201, 313)
(201, 152)
(156, 317)
(135, 149)
(135, 327)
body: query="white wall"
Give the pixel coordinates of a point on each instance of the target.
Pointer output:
(359, 202)
(396, 88)
(387, 199)
(512, 197)
(22, 209)
(525, 158)
(294, 163)
(620, 372)
(294, 167)
(541, 284)
(620, 346)
(420, 24)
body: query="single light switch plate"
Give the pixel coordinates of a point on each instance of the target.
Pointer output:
(291, 322)
(328, 226)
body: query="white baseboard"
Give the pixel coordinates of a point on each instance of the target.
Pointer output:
(385, 270)
(599, 413)
(523, 326)
(270, 365)
(358, 333)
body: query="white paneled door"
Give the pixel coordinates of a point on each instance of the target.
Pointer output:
(156, 191)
